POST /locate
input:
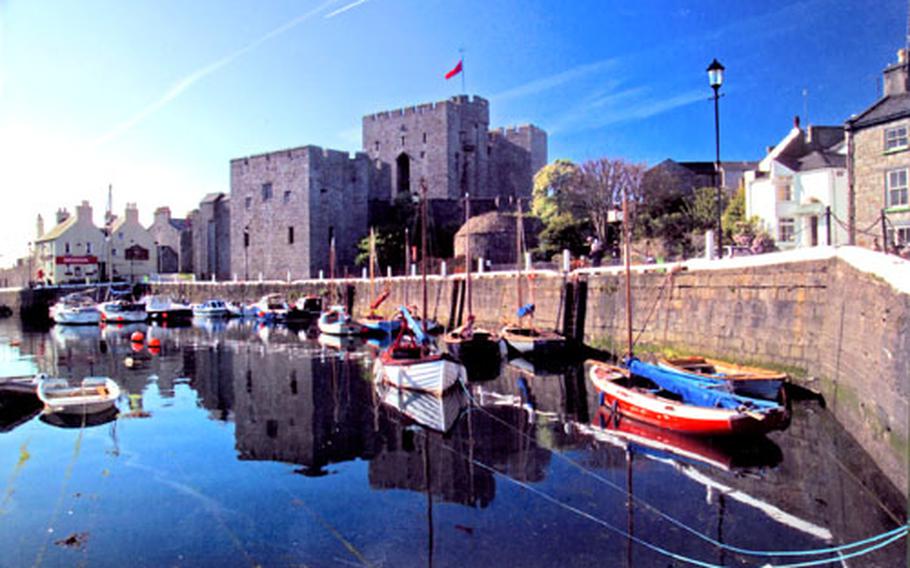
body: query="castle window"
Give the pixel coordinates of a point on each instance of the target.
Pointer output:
(323, 190)
(290, 235)
(113, 252)
(896, 188)
(896, 138)
(266, 191)
(402, 140)
(248, 202)
(423, 154)
(424, 137)
(376, 144)
(287, 196)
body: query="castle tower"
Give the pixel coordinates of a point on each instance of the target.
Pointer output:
(444, 142)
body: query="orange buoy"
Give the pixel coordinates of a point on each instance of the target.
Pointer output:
(137, 337)
(155, 350)
(155, 343)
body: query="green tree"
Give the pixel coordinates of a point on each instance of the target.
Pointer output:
(551, 188)
(735, 213)
(390, 234)
(702, 208)
(563, 232)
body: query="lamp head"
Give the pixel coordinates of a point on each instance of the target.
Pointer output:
(715, 74)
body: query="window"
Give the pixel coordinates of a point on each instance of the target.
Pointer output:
(896, 138)
(246, 238)
(896, 188)
(784, 191)
(88, 248)
(786, 230)
(376, 145)
(402, 140)
(899, 236)
(287, 196)
(423, 154)
(266, 191)
(248, 202)
(290, 235)
(113, 252)
(424, 137)
(66, 248)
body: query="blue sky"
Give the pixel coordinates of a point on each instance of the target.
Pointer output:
(157, 97)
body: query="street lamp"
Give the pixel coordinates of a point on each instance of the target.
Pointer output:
(716, 79)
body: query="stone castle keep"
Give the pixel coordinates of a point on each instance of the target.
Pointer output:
(286, 206)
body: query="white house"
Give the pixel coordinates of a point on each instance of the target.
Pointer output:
(133, 251)
(70, 251)
(794, 186)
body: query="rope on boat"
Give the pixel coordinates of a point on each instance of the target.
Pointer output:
(660, 293)
(892, 535)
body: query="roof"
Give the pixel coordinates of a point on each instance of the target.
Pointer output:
(821, 159)
(492, 222)
(810, 149)
(179, 224)
(58, 230)
(887, 109)
(212, 197)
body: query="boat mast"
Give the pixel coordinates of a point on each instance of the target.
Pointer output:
(467, 253)
(423, 250)
(519, 229)
(372, 264)
(332, 269)
(628, 249)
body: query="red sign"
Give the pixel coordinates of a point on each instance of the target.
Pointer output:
(86, 259)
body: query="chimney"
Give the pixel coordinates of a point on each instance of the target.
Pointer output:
(796, 122)
(40, 225)
(162, 215)
(84, 212)
(131, 214)
(896, 77)
(62, 215)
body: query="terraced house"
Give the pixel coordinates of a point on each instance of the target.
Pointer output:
(879, 156)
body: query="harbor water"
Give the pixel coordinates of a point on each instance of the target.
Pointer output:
(237, 444)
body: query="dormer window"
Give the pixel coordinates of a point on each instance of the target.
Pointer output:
(896, 138)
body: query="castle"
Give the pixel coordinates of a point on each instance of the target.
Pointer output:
(287, 206)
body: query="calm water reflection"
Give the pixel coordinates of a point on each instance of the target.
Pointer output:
(239, 445)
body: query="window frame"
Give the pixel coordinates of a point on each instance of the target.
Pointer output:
(901, 142)
(905, 189)
(789, 223)
(266, 191)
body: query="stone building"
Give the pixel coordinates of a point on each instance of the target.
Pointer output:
(686, 177)
(132, 253)
(211, 237)
(878, 146)
(493, 237)
(174, 239)
(287, 206)
(72, 251)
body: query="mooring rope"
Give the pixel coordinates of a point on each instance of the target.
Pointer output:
(895, 533)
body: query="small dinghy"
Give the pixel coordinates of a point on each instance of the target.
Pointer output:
(93, 394)
(336, 321)
(747, 381)
(660, 399)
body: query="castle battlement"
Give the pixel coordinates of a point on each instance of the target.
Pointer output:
(428, 107)
(513, 130)
(309, 151)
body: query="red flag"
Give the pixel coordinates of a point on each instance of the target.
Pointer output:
(455, 70)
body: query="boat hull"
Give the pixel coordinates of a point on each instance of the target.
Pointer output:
(434, 374)
(81, 316)
(382, 326)
(646, 407)
(116, 314)
(527, 342)
(94, 394)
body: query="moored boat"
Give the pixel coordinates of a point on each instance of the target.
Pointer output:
(660, 399)
(529, 341)
(747, 381)
(93, 394)
(336, 321)
(211, 309)
(164, 309)
(75, 309)
(437, 413)
(122, 311)
(272, 308)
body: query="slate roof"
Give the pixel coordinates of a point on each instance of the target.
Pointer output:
(58, 230)
(179, 224)
(888, 109)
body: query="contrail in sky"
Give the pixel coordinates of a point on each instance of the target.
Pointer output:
(344, 9)
(185, 83)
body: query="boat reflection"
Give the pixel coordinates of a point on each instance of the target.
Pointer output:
(16, 409)
(437, 413)
(340, 342)
(61, 420)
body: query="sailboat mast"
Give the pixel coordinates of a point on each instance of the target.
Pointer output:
(332, 267)
(519, 229)
(423, 250)
(627, 253)
(467, 253)
(372, 264)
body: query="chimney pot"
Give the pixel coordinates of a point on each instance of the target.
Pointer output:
(796, 121)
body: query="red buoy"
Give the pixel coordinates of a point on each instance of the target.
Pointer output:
(155, 343)
(137, 337)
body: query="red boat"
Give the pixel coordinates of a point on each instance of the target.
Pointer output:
(639, 398)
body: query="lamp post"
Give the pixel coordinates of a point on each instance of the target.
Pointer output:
(716, 79)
